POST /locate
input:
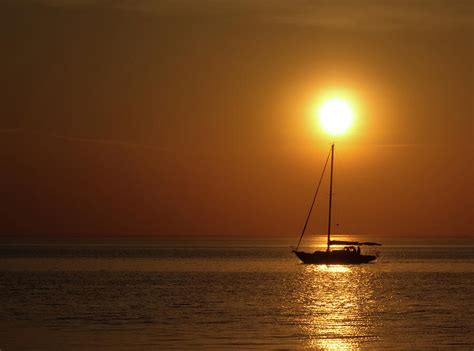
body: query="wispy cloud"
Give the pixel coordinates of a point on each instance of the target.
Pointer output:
(111, 142)
(387, 15)
(9, 130)
(348, 14)
(99, 141)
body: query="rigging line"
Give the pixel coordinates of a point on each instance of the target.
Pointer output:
(314, 200)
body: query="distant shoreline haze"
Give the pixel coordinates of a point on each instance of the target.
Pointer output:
(230, 240)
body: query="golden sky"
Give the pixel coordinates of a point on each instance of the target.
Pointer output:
(196, 117)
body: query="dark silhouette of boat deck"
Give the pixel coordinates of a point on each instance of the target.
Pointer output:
(333, 257)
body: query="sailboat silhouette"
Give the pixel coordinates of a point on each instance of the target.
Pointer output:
(349, 254)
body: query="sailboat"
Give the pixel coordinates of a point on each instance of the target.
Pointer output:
(351, 253)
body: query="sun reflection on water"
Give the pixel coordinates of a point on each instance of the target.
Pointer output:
(332, 268)
(336, 304)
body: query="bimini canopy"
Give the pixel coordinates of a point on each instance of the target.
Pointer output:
(341, 242)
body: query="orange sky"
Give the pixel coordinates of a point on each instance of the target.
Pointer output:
(158, 117)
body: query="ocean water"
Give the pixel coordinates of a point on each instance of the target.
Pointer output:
(233, 297)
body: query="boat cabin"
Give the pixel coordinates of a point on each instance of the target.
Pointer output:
(352, 249)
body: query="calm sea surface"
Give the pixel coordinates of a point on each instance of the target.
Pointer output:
(230, 297)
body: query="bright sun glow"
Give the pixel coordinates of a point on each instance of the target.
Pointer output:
(335, 116)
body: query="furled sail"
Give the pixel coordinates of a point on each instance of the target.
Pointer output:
(368, 243)
(342, 242)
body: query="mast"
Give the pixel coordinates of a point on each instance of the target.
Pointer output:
(330, 195)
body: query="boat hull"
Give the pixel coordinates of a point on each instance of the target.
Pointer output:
(333, 257)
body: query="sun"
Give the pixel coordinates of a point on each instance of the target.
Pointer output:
(335, 116)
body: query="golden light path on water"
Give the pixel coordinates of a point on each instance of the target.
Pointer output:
(338, 300)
